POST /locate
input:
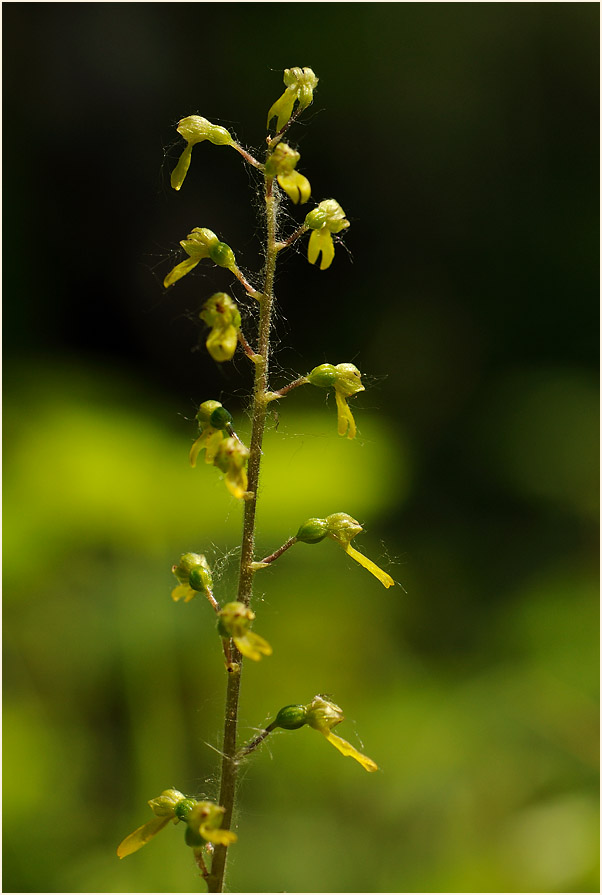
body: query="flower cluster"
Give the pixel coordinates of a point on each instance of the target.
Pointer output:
(342, 528)
(203, 821)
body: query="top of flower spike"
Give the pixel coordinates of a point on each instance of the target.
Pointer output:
(300, 86)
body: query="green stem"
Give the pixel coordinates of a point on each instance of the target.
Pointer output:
(215, 880)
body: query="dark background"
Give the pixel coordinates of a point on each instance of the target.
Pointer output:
(462, 142)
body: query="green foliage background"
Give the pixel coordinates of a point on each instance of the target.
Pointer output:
(461, 141)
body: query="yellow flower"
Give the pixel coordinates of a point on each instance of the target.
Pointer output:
(322, 715)
(221, 313)
(232, 457)
(327, 218)
(300, 86)
(234, 621)
(201, 243)
(203, 820)
(195, 129)
(342, 528)
(281, 165)
(346, 380)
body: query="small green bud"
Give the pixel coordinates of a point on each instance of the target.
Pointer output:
(193, 837)
(205, 412)
(291, 717)
(200, 579)
(222, 255)
(312, 531)
(220, 418)
(323, 376)
(184, 808)
(167, 803)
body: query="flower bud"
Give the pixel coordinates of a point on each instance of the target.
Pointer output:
(205, 413)
(222, 255)
(323, 376)
(312, 531)
(188, 563)
(184, 808)
(291, 717)
(166, 804)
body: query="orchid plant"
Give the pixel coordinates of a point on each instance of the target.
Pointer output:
(208, 822)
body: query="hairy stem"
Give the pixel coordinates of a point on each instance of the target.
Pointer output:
(215, 880)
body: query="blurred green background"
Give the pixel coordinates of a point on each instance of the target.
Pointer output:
(461, 140)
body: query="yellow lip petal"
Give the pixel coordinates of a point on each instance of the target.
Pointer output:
(383, 577)
(345, 417)
(219, 837)
(182, 592)
(346, 748)
(141, 836)
(179, 271)
(253, 646)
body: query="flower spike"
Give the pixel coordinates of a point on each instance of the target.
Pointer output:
(327, 218)
(346, 380)
(203, 820)
(300, 86)
(342, 528)
(195, 129)
(234, 621)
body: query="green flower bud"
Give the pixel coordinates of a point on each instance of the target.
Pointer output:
(200, 579)
(205, 412)
(291, 717)
(324, 376)
(222, 255)
(312, 531)
(165, 805)
(328, 214)
(220, 418)
(184, 808)
(193, 838)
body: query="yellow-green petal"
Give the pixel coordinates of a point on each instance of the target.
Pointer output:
(283, 108)
(179, 271)
(221, 343)
(141, 836)
(183, 592)
(320, 241)
(346, 748)
(253, 646)
(296, 186)
(346, 422)
(237, 482)
(181, 169)
(217, 836)
(383, 577)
